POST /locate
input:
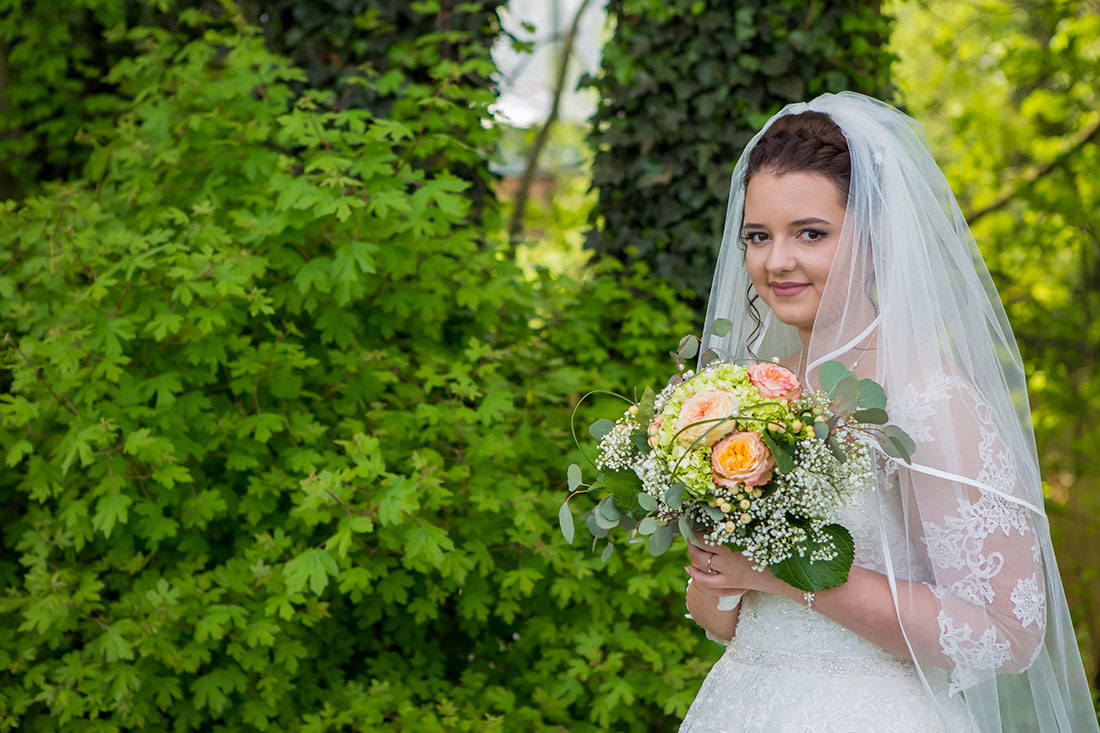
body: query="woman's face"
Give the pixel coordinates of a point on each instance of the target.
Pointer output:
(792, 224)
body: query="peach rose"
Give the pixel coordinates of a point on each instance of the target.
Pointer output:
(741, 458)
(774, 381)
(654, 428)
(706, 405)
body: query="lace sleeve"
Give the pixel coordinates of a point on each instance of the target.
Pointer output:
(975, 535)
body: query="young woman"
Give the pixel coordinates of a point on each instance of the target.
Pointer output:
(844, 242)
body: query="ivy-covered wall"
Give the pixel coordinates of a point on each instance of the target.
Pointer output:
(683, 86)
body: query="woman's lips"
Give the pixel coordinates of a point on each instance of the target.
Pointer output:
(788, 289)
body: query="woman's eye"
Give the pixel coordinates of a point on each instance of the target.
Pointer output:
(816, 234)
(748, 237)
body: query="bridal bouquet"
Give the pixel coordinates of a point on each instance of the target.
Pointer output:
(747, 455)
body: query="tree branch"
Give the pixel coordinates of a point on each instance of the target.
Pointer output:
(515, 227)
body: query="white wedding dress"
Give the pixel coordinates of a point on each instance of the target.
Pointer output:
(789, 669)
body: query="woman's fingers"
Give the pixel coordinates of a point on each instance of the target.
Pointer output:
(700, 559)
(712, 585)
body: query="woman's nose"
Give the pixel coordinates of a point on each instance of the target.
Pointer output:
(780, 256)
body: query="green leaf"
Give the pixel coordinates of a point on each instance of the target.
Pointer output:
(846, 395)
(624, 487)
(312, 566)
(674, 497)
(823, 574)
(573, 476)
(647, 502)
(689, 347)
(784, 460)
(565, 521)
(645, 407)
(647, 526)
(720, 327)
(686, 526)
(608, 509)
(660, 540)
(872, 415)
(830, 375)
(594, 527)
(111, 510)
(607, 552)
(600, 428)
(871, 395)
(821, 430)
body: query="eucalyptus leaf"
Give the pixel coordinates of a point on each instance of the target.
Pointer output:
(830, 375)
(660, 540)
(574, 476)
(872, 415)
(600, 428)
(902, 437)
(674, 496)
(834, 446)
(821, 430)
(647, 526)
(565, 520)
(605, 523)
(713, 512)
(640, 439)
(627, 522)
(846, 395)
(823, 574)
(608, 509)
(871, 394)
(687, 530)
(688, 348)
(709, 357)
(607, 552)
(720, 327)
(594, 528)
(647, 502)
(890, 447)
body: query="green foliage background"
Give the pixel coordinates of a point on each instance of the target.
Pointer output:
(684, 85)
(283, 424)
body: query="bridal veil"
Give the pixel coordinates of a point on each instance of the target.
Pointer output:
(963, 536)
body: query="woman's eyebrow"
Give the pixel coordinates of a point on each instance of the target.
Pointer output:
(795, 223)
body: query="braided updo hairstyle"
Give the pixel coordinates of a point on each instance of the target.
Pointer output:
(809, 142)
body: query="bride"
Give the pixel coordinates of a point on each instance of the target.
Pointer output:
(844, 242)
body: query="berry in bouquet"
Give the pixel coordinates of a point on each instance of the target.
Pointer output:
(744, 453)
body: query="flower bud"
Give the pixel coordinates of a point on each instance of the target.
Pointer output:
(810, 431)
(745, 519)
(745, 504)
(726, 507)
(796, 425)
(730, 526)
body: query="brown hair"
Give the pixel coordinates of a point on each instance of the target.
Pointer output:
(809, 142)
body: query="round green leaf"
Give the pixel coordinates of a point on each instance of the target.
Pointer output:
(647, 502)
(600, 428)
(607, 552)
(830, 375)
(720, 327)
(871, 394)
(573, 475)
(565, 520)
(647, 526)
(689, 347)
(660, 540)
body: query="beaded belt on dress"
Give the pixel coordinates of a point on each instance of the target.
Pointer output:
(808, 664)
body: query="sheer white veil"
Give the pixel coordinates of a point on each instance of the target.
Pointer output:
(964, 539)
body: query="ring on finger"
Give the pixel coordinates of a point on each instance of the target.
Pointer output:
(711, 572)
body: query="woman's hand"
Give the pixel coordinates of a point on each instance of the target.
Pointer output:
(730, 573)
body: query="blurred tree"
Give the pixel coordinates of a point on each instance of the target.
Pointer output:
(684, 85)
